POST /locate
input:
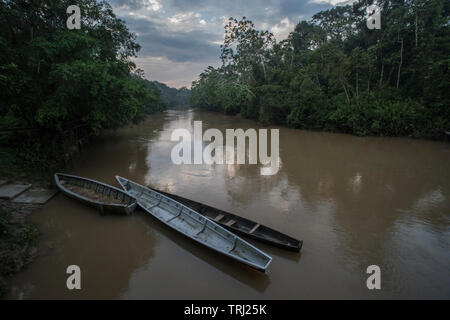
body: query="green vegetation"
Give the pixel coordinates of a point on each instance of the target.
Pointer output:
(59, 85)
(333, 73)
(17, 240)
(172, 97)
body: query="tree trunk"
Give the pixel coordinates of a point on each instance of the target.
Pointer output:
(11, 30)
(400, 64)
(382, 74)
(346, 93)
(264, 68)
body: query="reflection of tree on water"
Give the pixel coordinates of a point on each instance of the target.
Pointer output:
(374, 184)
(120, 152)
(360, 187)
(344, 193)
(111, 248)
(240, 272)
(108, 249)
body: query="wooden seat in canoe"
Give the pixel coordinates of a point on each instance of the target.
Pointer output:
(254, 228)
(230, 223)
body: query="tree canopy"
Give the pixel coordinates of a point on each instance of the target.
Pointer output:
(172, 97)
(52, 76)
(53, 79)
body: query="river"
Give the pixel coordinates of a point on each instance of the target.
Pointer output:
(354, 201)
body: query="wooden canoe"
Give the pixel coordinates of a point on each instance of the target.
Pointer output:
(195, 226)
(96, 194)
(239, 224)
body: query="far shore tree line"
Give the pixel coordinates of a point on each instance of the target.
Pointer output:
(57, 85)
(174, 98)
(334, 73)
(331, 73)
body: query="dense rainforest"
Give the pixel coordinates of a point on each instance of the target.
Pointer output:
(174, 98)
(334, 73)
(57, 85)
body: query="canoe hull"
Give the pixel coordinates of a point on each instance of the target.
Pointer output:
(103, 207)
(264, 233)
(195, 226)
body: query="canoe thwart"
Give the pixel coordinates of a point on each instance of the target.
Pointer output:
(95, 194)
(174, 217)
(254, 228)
(230, 223)
(203, 229)
(239, 224)
(234, 245)
(191, 224)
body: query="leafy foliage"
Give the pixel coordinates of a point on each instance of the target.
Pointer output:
(53, 79)
(333, 73)
(172, 97)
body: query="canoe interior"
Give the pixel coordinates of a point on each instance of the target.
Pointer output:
(196, 226)
(94, 191)
(239, 224)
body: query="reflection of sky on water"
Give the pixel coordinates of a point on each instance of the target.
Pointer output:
(357, 200)
(354, 201)
(165, 170)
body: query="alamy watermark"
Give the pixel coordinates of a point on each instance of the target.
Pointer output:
(374, 280)
(74, 280)
(74, 20)
(219, 153)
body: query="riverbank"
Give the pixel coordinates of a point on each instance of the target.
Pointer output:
(440, 136)
(355, 201)
(23, 166)
(18, 237)
(18, 240)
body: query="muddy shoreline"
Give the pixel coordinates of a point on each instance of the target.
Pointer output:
(18, 237)
(18, 240)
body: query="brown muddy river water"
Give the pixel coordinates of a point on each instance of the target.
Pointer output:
(354, 201)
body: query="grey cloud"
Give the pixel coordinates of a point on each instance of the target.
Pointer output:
(254, 10)
(156, 39)
(186, 50)
(133, 4)
(307, 9)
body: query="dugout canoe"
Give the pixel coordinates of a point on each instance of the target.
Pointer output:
(195, 226)
(96, 194)
(239, 224)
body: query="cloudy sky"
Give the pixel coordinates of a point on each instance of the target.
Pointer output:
(180, 38)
